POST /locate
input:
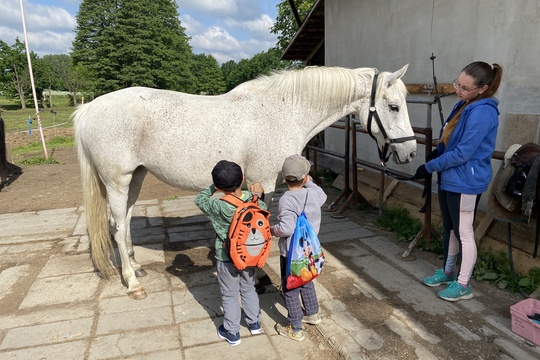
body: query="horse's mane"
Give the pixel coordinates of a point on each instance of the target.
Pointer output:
(318, 87)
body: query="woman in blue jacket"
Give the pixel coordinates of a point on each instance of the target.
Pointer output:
(462, 160)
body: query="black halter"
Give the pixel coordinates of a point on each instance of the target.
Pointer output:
(383, 154)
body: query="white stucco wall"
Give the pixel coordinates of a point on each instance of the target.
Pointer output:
(387, 34)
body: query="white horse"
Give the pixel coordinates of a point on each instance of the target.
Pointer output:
(179, 138)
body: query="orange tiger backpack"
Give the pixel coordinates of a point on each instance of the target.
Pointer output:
(248, 240)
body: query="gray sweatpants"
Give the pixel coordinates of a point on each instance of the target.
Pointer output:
(232, 282)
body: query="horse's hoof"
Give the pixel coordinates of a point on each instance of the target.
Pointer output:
(140, 272)
(138, 294)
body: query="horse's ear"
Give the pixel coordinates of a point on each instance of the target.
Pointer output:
(397, 75)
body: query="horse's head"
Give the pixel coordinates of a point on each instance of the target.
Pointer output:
(386, 117)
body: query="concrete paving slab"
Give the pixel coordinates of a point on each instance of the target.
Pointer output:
(10, 277)
(123, 303)
(50, 315)
(46, 334)
(153, 282)
(134, 343)
(74, 350)
(149, 236)
(193, 280)
(161, 355)
(252, 347)
(134, 319)
(197, 310)
(80, 226)
(65, 289)
(67, 265)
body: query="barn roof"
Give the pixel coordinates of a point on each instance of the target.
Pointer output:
(308, 42)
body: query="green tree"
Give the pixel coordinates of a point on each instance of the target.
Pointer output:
(285, 25)
(61, 74)
(132, 43)
(247, 69)
(57, 71)
(209, 77)
(77, 81)
(231, 74)
(4, 66)
(16, 75)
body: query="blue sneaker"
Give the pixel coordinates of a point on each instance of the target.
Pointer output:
(232, 339)
(455, 292)
(439, 278)
(255, 329)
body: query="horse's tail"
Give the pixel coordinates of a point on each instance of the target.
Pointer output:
(95, 201)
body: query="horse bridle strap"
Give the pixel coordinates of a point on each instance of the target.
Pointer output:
(387, 141)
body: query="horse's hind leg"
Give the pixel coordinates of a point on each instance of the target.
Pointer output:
(134, 191)
(118, 200)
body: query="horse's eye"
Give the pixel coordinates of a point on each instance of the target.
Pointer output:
(394, 108)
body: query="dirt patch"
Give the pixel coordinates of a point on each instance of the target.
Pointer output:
(58, 186)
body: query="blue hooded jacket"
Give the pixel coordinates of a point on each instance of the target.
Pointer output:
(464, 164)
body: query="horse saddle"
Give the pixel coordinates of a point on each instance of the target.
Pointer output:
(515, 185)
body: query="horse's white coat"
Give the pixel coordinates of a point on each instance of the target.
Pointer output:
(180, 137)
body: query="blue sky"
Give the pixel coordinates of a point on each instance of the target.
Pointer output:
(227, 29)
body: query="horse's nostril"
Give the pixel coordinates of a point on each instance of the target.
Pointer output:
(413, 154)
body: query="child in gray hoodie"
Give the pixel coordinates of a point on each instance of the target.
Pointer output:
(302, 195)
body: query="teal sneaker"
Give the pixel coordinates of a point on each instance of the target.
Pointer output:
(439, 278)
(455, 292)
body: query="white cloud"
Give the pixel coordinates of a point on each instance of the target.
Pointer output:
(239, 9)
(216, 39)
(47, 17)
(49, 28)
(259, 27)
(217, 8)
(191, 24)
(49, 42)
(227, 29)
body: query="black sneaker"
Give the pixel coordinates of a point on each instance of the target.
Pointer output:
(232, 339)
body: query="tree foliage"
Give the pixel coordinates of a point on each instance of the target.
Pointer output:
(247, 69)
(133, 43)
(285, 25)
(15, 77)
(210, 80)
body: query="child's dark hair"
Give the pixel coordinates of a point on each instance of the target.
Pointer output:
(293, 180)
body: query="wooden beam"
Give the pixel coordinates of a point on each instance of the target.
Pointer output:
(444, 89)
(390, 189)
(483, 227)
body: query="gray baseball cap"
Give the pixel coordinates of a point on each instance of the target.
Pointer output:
(295, 168)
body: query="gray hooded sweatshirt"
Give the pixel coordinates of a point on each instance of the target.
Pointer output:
(291, 205)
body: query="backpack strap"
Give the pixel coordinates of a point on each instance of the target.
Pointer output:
(305, 202)
(236, 201)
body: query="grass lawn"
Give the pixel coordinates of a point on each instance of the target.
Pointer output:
(15, 119)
